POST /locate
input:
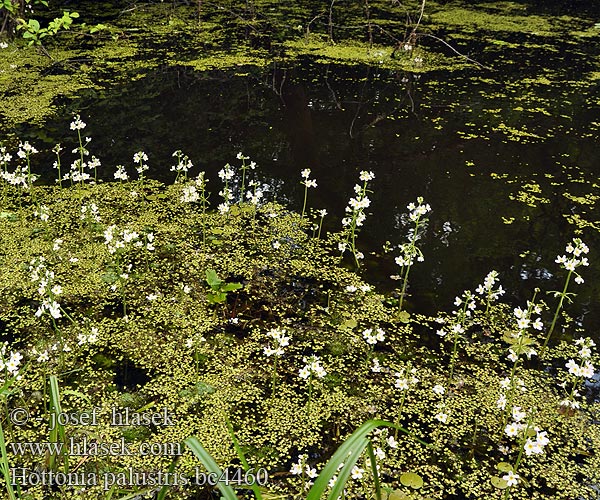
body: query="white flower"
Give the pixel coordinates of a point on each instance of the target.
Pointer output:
(43, 357)
(305, 173)
(77, 123)
(501, 402)
(517, 414)
(357, 472)
(376, 368)
(441, 417)
(311, 472)
(296, 469)
(511, 478)
(512, 430)
(140, 156)
(366, 176)
(380, 454)
(439, 389)
(587, 370)
(402, 383)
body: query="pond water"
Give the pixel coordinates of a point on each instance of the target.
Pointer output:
(507, 159)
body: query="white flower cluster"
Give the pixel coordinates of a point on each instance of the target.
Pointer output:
(487, 287)
(518, 428)
(88, 338)
(582, 368)
(505, 384)
(115, 242)
(255, 194)
(520, 344)
(46, 288)
(418, 210)
(226, 174)
(356, 205)
(140, 157)
(409, 252)
(281, 341)
(77, 123)
(466, 300)
(22, 175)
(577, 248)
(90, 212)
(26, 149)
(405, 378)
(121, 174)
(43, 212)
(373, 337)
(309, 183)
(12, 364)
(183, 163)
(302, 468)
(312, 367)
(190, 192)
(19, 177)
(77, 172)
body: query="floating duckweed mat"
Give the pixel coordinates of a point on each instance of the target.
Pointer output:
(135, 316)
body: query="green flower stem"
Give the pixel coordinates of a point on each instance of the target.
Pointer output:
(519, 456)
(513, 388)
(411, 253)
(274, 376)
(243, 186)
(560, 303)
(453, 360)
(305, 198)
(400, 413)
(310, 377)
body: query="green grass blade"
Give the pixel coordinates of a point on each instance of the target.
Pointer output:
(344, 474)
(58, 433)
(242, 457)
(358, 438)
(211, 466)
(5, 466)
(374, 470)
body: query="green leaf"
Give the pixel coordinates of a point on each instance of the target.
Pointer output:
(353, 446)
(230, 287)
(403, 316)
(216, 298)
(498, 482)
(411, 480)
(349, 324)
(211, 466)
(212, 279)
(504, 467)
(398, 495)
(33, 25)
(110, 277)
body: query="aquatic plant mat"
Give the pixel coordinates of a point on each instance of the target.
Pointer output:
(135, 318)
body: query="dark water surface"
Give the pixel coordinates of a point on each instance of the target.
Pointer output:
(492, 152)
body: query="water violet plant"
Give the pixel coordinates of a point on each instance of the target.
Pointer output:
(409, 251)
(578, 249)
